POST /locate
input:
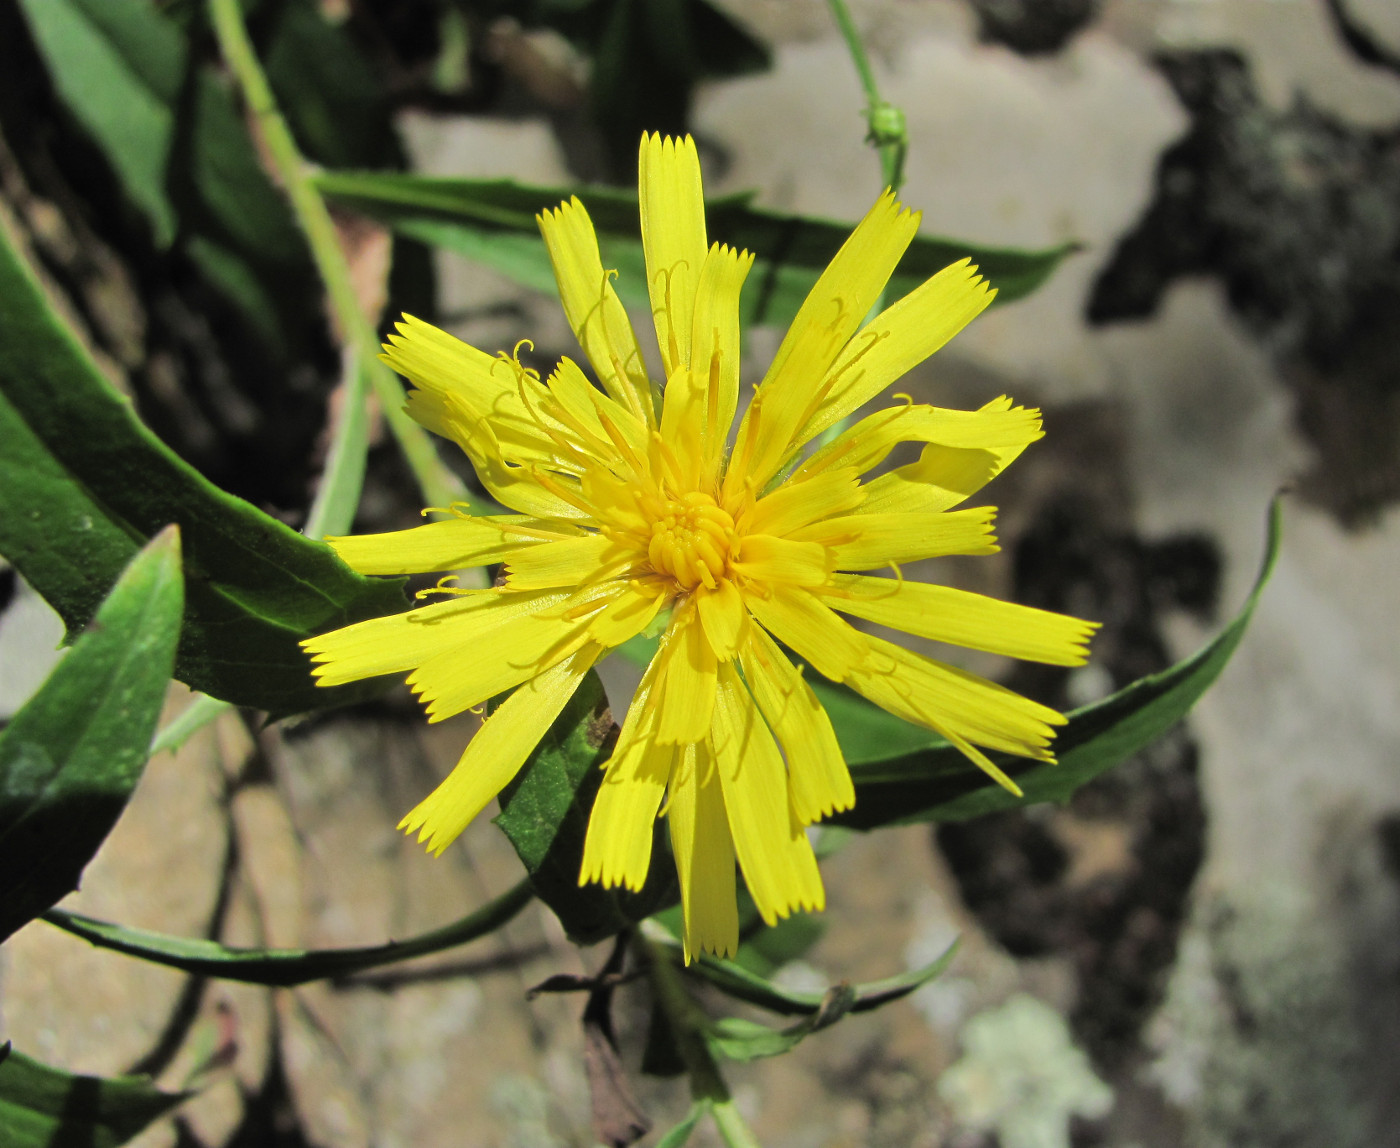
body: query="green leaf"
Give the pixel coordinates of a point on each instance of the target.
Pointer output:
(83, 484)
(544, 813)
(739, 983)
(72, 755)
(287, 967)
(678, 1136)
(939, 784)
(328, 91)
(493, 222)
(735, 1038)
(42, 1107)
(118, 67)
(177, 142)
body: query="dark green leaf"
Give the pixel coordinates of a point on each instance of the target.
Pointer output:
(286, 967)
(83, 484)
(72, 755)
(327, 91)
(545, 810)
(493, 222)
(118, 68)
(42, 1107)
(939, 784)
(743, 985)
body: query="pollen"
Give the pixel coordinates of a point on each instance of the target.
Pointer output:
(692, 541)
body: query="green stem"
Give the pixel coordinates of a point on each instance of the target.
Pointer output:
(335, 503)
(194, 716)
(732, 1127)
(886, 126)
(687, 1022)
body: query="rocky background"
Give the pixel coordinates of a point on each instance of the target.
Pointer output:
(1202, 949)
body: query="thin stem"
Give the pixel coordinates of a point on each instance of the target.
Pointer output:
(687, 1022)
(732, 1127)
(194, 716)
(335, 503)
(886, 126)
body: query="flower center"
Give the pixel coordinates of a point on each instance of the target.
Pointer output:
(691, 540)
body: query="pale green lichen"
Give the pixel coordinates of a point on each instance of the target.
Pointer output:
(1022, 1077)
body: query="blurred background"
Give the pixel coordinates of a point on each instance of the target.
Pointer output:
(1202, 949)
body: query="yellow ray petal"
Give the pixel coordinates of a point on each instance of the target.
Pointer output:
(723, 617)
(818, 781)
(494, 756)
(797, 619)
(800, 501)
(397, 643)
(519, 487)
(628, 614)
(997, 427)
(830, 315)
(443, 367)
(593, 309)
(617, 848)
(453, 544)
(954, 702)
(962, 618)
(584, 406)
(503, 652)
(673, 238)
(774, 854)
(701, 399)
(767, 560)
(870, 541)
(942, 477)
(900, 337)
(685, 692)
(572, 562)
(704, 853)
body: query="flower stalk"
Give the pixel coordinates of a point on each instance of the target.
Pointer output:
(334, 506)
(886, 131)
(687, 1023)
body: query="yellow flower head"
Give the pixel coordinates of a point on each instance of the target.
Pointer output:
(623, 512)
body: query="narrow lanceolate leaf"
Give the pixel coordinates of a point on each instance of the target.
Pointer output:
(545, 812)
(83, 484)
(287, 967)
(493, 222)
(938, 784)
(181, 152)
(71, 757)
(42, 1107)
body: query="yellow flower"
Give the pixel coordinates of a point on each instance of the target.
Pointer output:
(632, 511)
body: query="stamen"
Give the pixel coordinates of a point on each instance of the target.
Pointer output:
(619, 440)
(552, 484)
(670, 463)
